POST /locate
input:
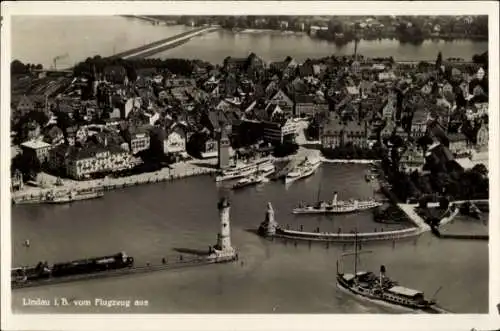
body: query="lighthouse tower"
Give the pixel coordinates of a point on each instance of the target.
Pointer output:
(223, 250)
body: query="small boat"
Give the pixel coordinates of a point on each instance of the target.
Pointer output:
(303, 170)
(380, 289)
(337, 207)
(248, 181)
(266, 170)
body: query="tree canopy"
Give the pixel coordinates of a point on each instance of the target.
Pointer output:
(17, 67)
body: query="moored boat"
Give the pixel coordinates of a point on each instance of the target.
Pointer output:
(243, 169)
(303, 170)
(266, 169)
(248, 181)
(337, 206)
(72, 195)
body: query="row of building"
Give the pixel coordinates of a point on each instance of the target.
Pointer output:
(245, 101)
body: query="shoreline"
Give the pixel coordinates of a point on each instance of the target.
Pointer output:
(262, 31)
(33, 195)
(346, 161)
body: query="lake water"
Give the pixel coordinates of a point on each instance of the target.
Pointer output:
(40, 39)
(149, 222)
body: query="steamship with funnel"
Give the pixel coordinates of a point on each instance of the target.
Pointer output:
(337, 206)
(305, 169)
(383, 290)
(244, 169)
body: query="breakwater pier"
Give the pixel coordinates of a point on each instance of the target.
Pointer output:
(171, 263)
(221, 252)
(270, 228)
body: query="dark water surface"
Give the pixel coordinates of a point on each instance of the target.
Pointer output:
(149, 222)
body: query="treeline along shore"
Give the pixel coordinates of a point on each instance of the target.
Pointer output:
(344, 29)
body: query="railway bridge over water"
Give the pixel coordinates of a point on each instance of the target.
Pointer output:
(164, 44)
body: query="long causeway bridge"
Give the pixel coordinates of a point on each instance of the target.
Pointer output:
(164, 44)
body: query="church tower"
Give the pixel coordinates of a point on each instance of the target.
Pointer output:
(223, 146)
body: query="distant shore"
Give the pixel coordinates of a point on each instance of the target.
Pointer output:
(360, 161)
(285, 32)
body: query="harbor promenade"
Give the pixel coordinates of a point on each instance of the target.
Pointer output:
(409, 210)
(177, 171)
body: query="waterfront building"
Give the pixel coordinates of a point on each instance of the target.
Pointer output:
(37, 148)
(139, 140)
(279, 130)
(175, 141)
(337, 133)
(84, 162)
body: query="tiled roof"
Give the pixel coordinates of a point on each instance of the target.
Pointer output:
(335, 126)
(453, 137)
(304, 98)
(85, 152)
(35, 144)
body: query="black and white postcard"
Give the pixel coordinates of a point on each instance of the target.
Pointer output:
(250, 165)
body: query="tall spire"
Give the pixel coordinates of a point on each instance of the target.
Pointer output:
(356, 39)
(355, 48)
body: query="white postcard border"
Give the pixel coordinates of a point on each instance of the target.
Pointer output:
(252, 322)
